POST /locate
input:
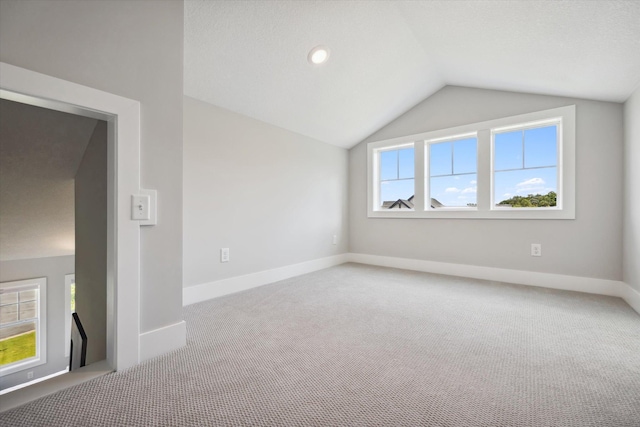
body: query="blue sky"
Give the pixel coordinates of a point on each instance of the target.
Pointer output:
(525, 163)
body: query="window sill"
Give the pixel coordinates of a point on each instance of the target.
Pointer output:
(22, 365)
(520, 213)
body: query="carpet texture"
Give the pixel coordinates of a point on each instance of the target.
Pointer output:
(356, 345)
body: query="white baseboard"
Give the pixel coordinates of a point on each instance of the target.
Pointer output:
(632, 297)
(531, 278)
(163, 340)
(206, 291)
(615, 288)
(589, 285)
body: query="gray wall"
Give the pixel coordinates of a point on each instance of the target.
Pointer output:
(632, 191)
(91, 243)
(589, 246)
(54, 269)
(40, 151)
(273, 197)
(133, 49)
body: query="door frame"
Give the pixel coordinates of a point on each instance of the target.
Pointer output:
(123, 165)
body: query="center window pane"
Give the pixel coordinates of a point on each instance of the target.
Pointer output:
(440, 158)
(456, 191)
(452, 169)
(465, 159)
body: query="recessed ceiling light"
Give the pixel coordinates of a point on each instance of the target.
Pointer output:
(318, 55)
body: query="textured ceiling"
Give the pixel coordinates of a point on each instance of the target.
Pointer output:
(40, 151)
(386, 56)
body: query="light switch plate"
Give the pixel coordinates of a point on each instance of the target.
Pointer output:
(140, 207)
(144, 207)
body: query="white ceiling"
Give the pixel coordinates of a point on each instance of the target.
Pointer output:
(40, 151)
(386, 56)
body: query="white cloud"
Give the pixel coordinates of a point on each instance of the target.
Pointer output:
(531, 182)
(506, 195)
(452, 190)
(530, 186)
(470, 190)
(474, 182)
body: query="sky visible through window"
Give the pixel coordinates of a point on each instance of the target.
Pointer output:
(525, 163)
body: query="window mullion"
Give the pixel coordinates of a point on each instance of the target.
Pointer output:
(523, 149)
(419, 176)
(484, 171)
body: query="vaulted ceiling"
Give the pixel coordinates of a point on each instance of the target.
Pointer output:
(386, 56)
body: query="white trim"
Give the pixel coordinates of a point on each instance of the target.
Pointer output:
(32, 382)
(123, 240)
(207, 291)
(520, 277)
(52, 385)
(614, 288)
(565, 167)
(162, 340)
(631, 296)
(68, 280)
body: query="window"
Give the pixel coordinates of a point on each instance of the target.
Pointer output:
(525, 166)
(395, 183)
(520, 167)
(453, 173)
(22, 325)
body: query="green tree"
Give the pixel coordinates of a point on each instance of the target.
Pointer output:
(532, 201)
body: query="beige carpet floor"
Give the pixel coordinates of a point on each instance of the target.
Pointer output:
(356, 345)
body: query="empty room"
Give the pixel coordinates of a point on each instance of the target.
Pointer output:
(320, 213)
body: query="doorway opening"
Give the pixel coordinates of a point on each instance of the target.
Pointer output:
(121, 119)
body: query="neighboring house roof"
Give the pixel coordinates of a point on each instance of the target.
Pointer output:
(400, 204)
(407, 204)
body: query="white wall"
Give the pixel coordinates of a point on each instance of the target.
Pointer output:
(632, 191)
(133, 49)
(589, 246)
(91, 243)
(274, 197)
(54, 269)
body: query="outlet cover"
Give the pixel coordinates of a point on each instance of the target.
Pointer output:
(536, 249)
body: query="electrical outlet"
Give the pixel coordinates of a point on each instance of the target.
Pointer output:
(335, 239)
(30, 375)
(224, 255)
(536, 249)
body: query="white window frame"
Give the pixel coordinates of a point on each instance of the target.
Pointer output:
(485, 208)
(69, 279)
(374, 156)
(556, 121)
(41, 326)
